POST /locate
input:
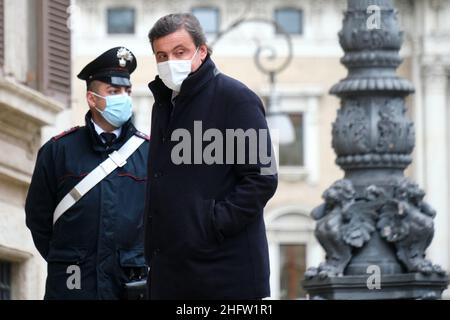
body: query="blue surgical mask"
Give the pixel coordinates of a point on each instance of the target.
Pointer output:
(118, 109)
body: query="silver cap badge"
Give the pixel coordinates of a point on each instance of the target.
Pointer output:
(124, 55)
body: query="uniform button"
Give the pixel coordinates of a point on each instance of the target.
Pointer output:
(164, 139)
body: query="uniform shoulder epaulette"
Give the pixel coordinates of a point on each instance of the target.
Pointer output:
(64, 133)
(142, 135)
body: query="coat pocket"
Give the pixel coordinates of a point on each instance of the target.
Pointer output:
(208, 236)
(68, 274)
(132, 258)
(67, 255)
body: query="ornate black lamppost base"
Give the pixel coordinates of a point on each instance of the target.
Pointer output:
(374, 224)
(396, 286)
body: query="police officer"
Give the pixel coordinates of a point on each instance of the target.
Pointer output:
(86, 199)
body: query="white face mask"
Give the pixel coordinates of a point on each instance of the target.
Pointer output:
(174, 72)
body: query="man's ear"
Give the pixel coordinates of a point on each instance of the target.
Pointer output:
(90, 98)
(203, 51)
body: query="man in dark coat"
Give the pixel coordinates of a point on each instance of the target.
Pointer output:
(205, 234)
(95, 246)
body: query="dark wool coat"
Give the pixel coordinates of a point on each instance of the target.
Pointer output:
(205, 233)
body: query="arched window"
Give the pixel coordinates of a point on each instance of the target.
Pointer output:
(292, 249)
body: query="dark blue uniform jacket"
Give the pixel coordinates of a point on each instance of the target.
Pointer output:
(102, 233)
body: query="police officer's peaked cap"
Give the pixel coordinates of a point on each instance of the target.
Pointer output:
(113, 66)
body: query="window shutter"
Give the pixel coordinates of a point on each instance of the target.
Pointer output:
(54, 50)
(2, 38)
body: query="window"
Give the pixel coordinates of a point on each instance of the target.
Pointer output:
(291, 20)
(208, 18)
(121, 20)
(292, 248)
(291, 155)
(300, 158)
(5, 280)
(52, 39)
(292, 268)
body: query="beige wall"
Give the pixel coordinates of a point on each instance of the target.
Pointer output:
(23, 113)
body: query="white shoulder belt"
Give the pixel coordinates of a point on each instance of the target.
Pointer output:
(115, 159)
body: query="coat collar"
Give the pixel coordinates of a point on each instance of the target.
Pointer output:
(127, 131)
(191, 86)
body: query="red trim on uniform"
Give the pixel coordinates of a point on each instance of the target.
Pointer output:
(142, 135)
(71, 175)
(132, 177)
(62, 134)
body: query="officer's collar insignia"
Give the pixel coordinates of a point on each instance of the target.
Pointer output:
(124, 55)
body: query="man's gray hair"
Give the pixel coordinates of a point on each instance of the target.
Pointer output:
(174, 22)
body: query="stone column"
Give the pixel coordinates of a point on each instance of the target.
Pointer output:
(436, 155)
